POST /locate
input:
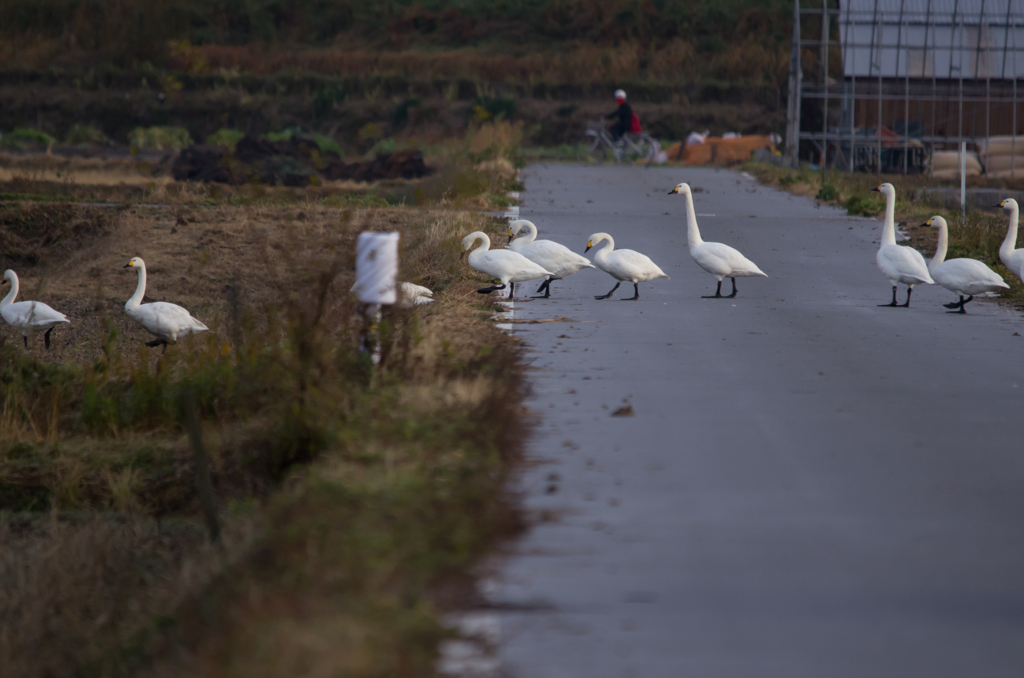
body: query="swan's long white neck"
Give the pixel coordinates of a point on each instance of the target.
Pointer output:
(606, 250)
(889, 228)
(13, 294)
(140, 291)
(692, 232)
(940, 248)
(530, 235)
(1010, 242)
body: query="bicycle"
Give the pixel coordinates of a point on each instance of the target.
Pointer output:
(593, 148)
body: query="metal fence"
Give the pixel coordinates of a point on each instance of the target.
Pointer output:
(877, 85)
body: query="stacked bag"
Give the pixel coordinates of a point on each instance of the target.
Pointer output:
(1003, 157)
(946, 165)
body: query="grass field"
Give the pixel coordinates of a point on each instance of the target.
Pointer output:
(353, 500)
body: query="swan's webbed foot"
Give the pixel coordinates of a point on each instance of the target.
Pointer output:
(959, 305)
(157, 342)
(488, 290)
(731, 296)
(610, 293)
(909, 291)
(46, 338)
(545, 287)
(717, 294)
(893, 302)
(636, 294)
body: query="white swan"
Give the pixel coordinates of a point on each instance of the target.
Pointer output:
(1011, 257)
(28, 316)
(166, 321)
(965, 277)
(507, 266)
(717, 259)
(623, 265)
(558, 259)
(898, 263)
(409, 294)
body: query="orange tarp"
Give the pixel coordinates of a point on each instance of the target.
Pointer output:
(718, 151)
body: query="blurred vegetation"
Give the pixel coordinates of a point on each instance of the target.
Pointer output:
(160, 138)
(17, 138)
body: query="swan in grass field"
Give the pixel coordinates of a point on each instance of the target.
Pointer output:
(965, 277)
(409, 294)
(623, 265)
(28, 316)
(166, 321)
(558, 259)
(1011, 257)
(898, 263)
(507, 266)
(717, 259)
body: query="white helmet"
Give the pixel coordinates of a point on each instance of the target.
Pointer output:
(620, 94)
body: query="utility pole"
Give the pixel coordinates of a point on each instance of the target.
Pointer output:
(796, 77)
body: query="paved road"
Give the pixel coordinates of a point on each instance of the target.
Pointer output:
(811, 485)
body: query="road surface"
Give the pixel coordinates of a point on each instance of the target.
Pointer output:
(809, 486)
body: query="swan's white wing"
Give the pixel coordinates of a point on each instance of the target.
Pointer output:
(32, 315)
(719, 259)
(903, 264)
(632, 266)
(412, 290)
(967, 276)
(508, 266)
(168, 321)
(554, 257)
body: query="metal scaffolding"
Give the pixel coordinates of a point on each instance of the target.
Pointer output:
(878, 84)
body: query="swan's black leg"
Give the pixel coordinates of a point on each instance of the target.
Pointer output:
(610, 293)
(717, 294)
(25, 339)
(512, 291)
(893, 302)
(909, 292)
(636, 293)
(733, 288)
(157, 342)
(960, 305)
(488, 290)
(46, 338)
(546, 288)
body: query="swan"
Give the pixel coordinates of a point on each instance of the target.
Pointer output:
(717, 259)
(965, 277)
(166, 321)
(623, 265)
(1012, 258)
(558, 259)
(900, 264)
(28, 316)
(507, 266)
(409, 294)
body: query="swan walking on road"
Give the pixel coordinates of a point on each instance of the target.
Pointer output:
(507, 266)
(623, 265)
(1011, 257)
(166, 321)
(558, 259)
(965, 277)
(900, 264)
(28, 316)
(717, 259)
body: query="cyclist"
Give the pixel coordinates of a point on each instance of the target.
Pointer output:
(625, 115)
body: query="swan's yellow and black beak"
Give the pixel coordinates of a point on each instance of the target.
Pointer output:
(674, 191)
(128, 265)
(463, 253)
(877, 189)
(927, 223)
(511, 235)
(1002, 204)
(589, 245)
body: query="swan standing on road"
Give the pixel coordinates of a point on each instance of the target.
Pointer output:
(558, 259)
(166, 321)
(28, 316)
(965, 277)
(717, 259)
(623, 265)
(1011, 257)
(900, 264)
(507, 266)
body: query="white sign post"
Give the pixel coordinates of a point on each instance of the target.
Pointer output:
(376, 282)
